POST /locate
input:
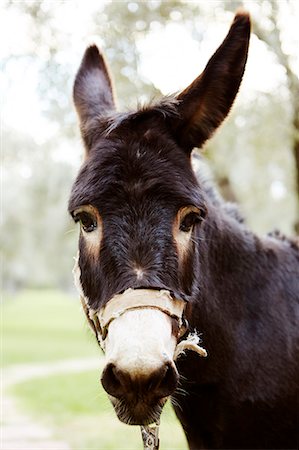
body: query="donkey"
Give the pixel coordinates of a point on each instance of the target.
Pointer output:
(154, 237)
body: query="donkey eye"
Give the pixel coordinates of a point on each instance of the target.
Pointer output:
(190, 220)
(87, 221)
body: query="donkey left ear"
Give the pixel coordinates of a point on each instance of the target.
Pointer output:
(93, 92)
(206, 102)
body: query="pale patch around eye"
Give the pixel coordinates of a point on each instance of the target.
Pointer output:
(93, 239)
(182, 238)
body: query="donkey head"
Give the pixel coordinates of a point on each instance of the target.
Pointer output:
(142, 215)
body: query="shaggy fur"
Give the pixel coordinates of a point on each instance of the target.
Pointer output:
(242, 290)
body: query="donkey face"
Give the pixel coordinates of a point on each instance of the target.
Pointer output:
(141, 212)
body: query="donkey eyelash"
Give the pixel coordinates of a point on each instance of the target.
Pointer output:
(87, 221)
(190, 219)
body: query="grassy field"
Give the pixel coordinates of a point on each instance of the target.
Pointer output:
(46, 326)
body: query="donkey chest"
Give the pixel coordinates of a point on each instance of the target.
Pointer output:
(213, 420)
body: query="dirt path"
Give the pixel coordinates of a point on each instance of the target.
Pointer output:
(19, 431)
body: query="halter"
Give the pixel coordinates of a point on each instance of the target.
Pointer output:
(141, 299)
(132, 299)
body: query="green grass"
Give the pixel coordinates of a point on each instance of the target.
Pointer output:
(44, 326)
(79, 410)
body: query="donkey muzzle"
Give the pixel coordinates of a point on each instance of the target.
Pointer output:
(140, 332)
(139, 342)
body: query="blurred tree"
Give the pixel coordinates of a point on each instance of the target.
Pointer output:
(37, 238)
(253, 151)
(271, 30)
(118, 26)
(121, 26)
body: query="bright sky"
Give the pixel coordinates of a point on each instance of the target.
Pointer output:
(161, 50)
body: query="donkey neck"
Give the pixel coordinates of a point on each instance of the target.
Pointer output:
(243, 308)
(233, 255)
(233, 279)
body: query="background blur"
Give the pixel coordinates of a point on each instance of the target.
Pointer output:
(153, 48)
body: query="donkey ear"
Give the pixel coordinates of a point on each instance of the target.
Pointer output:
(93, 93)
(206, 102)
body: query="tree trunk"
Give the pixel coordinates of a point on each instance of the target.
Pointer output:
(296, 155)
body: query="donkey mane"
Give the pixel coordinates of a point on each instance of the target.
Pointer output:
(209, 187)
(292, 242)
(233, 210)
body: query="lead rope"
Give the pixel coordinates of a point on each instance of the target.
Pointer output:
(150, 433)
(150, 436)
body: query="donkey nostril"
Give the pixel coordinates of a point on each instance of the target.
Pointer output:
(168, 381)
(111, 382)
(157, 384)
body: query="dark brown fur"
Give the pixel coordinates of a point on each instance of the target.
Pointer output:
(242, 290)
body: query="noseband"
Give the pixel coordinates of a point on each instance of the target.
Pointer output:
(133, 299)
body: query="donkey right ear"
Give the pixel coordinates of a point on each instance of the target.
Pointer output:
(207, 101)
(93, 93)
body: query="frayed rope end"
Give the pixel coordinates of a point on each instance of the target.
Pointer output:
(190, 343)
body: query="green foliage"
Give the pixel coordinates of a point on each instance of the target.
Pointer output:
(41, 325)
